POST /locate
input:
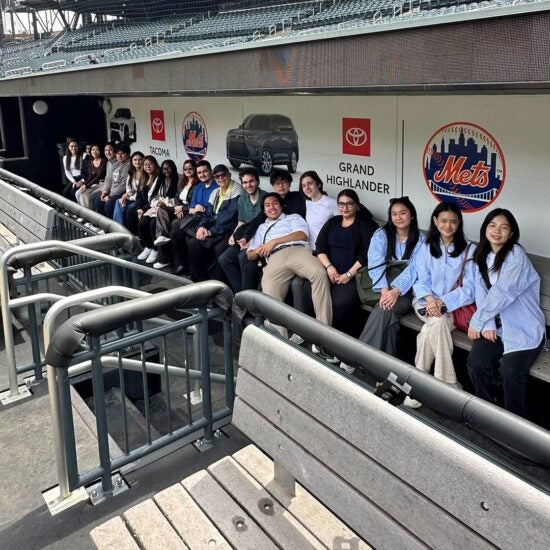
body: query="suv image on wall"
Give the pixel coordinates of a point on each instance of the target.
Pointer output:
(264, 141)
(123, 126)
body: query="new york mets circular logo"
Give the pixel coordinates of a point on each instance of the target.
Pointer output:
(464, 164)
(195, 136)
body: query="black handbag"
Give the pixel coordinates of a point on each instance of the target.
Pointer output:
(190, 223)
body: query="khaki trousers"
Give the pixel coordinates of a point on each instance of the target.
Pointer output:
(434, 345)
(298, 260)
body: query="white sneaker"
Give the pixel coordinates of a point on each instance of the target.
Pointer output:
(323, 354)
(152, 258)
(161, 240)
(159, 265)
(145, 254)
(347, 368)
(411, 403)
(296, 339)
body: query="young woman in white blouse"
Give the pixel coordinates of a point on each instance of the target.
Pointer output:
(72, 163)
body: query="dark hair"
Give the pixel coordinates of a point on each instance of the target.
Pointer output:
(123, 148)
(391, 230)
(132, 170)
(250, 171)
(273, 196)
(315, 177)
(484, 247)
(95, 144)
(204, 162)
(433, 238)
(184, 179)
(68, 155)
(280, 174)
(148, 180)
(173, 168)
(362, 210)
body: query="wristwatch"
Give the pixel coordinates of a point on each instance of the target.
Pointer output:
(349, 274)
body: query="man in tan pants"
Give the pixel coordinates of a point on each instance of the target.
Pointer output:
(282, 241)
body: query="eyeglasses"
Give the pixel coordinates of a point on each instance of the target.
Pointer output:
(188, 168)
(280, 182)
(222, 176)
(345, 204)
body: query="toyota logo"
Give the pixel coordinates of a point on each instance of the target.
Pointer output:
(157, 125)
(356, 137)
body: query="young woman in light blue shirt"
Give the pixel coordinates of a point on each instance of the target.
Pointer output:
(399, 239)
(508, 328)
(439, 264)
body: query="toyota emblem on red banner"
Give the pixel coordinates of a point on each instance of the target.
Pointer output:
(356, 136)
(158, 132)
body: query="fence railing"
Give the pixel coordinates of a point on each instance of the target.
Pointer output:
(106, 270)
(101, 338)
(510, 431)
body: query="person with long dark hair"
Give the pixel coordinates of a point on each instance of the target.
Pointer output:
(440, 261)
(126, 204)
(342, 247)
(399, 241)
(161, 187)
(72, 163)
(94, 168)
(167, 215)
(508, 328)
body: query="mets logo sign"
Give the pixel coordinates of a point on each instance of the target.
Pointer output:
(195, 136)
(464, 164)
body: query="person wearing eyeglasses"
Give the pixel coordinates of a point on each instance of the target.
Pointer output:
(172, 211)
(217, 224)
(398, 241)
(342, 248)
(197, 206)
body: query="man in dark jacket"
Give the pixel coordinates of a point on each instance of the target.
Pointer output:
(217, 225)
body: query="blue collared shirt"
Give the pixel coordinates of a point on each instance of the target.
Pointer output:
(377, 258)
(515, 296)
(438, 276)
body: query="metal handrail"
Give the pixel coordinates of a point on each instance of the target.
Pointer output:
(64, 351)
(35, 252)
(63, 204)
(507, 429)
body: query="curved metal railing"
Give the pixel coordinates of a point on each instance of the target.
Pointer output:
(66, 349)
(509, 430)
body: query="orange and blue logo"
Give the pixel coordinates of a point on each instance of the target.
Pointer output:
(463, 163)
(195, 136)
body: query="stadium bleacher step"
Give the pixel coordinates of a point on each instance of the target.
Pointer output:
(234, 503)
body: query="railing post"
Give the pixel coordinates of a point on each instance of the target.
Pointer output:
(63, 432)
(101, 418)
(205, 375)
(33, 326)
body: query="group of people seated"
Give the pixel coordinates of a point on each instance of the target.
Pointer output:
(308, 248)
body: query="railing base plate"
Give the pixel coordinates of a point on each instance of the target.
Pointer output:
(22, 393)
(202, 445)
(96, 494)
(57, 504)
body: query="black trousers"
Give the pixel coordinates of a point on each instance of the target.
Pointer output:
(203, 256)
(483, 364)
